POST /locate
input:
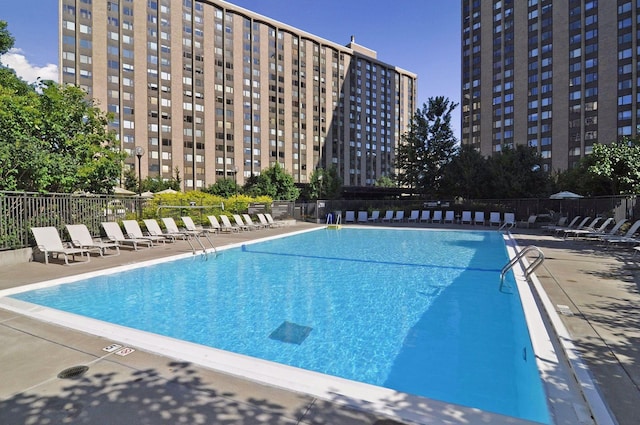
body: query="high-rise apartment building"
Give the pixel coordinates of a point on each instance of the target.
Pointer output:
(556, 75)
(214, 90)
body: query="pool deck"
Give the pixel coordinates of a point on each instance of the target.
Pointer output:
(596, 289)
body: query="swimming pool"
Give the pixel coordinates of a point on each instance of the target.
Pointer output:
(392, 308)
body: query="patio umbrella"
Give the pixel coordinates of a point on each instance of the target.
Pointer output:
(122, 191)
(565, 195)
(147, 194)
(162, 192)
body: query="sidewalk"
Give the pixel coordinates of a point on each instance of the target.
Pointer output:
(600, 288)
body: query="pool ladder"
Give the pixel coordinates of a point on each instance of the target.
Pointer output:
(196, 237)
(534, 265)
(338, 221)
(507, 225)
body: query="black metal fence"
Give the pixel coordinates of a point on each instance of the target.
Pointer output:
(618, 207)
(20, 211)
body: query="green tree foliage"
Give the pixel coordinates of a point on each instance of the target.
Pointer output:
(273, 182)
(151, 184)
(579, 180)
(225, 187)
(466, 175)
(324, 184)
(516, 173)
(618, 164)
(385, 181)
(512, 173)
(612, 169)
(52, 139)
(427, 146)
(6, 39)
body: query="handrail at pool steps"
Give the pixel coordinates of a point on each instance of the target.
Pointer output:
(334, 224)
(507, 224)
(530, 269)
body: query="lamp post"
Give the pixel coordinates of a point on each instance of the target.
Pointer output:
(235, 186)
(139, 153)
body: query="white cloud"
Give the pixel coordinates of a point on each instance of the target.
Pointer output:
(16, 59)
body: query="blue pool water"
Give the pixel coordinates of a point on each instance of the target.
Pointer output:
(412, 310)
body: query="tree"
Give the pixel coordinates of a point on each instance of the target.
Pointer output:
(54, 139)
(324, 184)
(618, 164)
(384, 181)
(427, 146)
(578, 179)
(466, 175)
(515, 173)
(274, 182)
(225, 188)
(612, 169)
(6, 39)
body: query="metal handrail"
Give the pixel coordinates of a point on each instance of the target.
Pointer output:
(530, 269)
(511, 225)
(338, 218)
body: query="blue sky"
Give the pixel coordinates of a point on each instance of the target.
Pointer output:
(421, 36)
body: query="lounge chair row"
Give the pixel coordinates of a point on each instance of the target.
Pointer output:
(49, 242)
(428, 216)
(596, 229)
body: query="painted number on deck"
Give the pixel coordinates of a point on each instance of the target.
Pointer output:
(111, 348)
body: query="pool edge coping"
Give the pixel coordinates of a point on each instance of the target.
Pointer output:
(590, 397)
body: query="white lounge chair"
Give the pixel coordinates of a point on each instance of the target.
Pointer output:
(135, 232)
(580, 225)
(562, 222)
(414, 216)
(249, 222)
(214, 225)
(530, 221)
(437, 217)
(349, 217)
(48, 242)
(478, 217)
(466, 217)
(449, 216)
(172, 228)
(399, 216)
(192, 229)
(509, 219)
(614, 231)
(560, 227)
(375, 216)
(363, 217)
(494, 218)
(81, 238)
(114, 233)
(240, 224)
(153, 228)
(263, 221)
(275, 223)
(226, 224)
(626, 238)
(583, 227)
(425, 216)
(388, 216)
(589, 230)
